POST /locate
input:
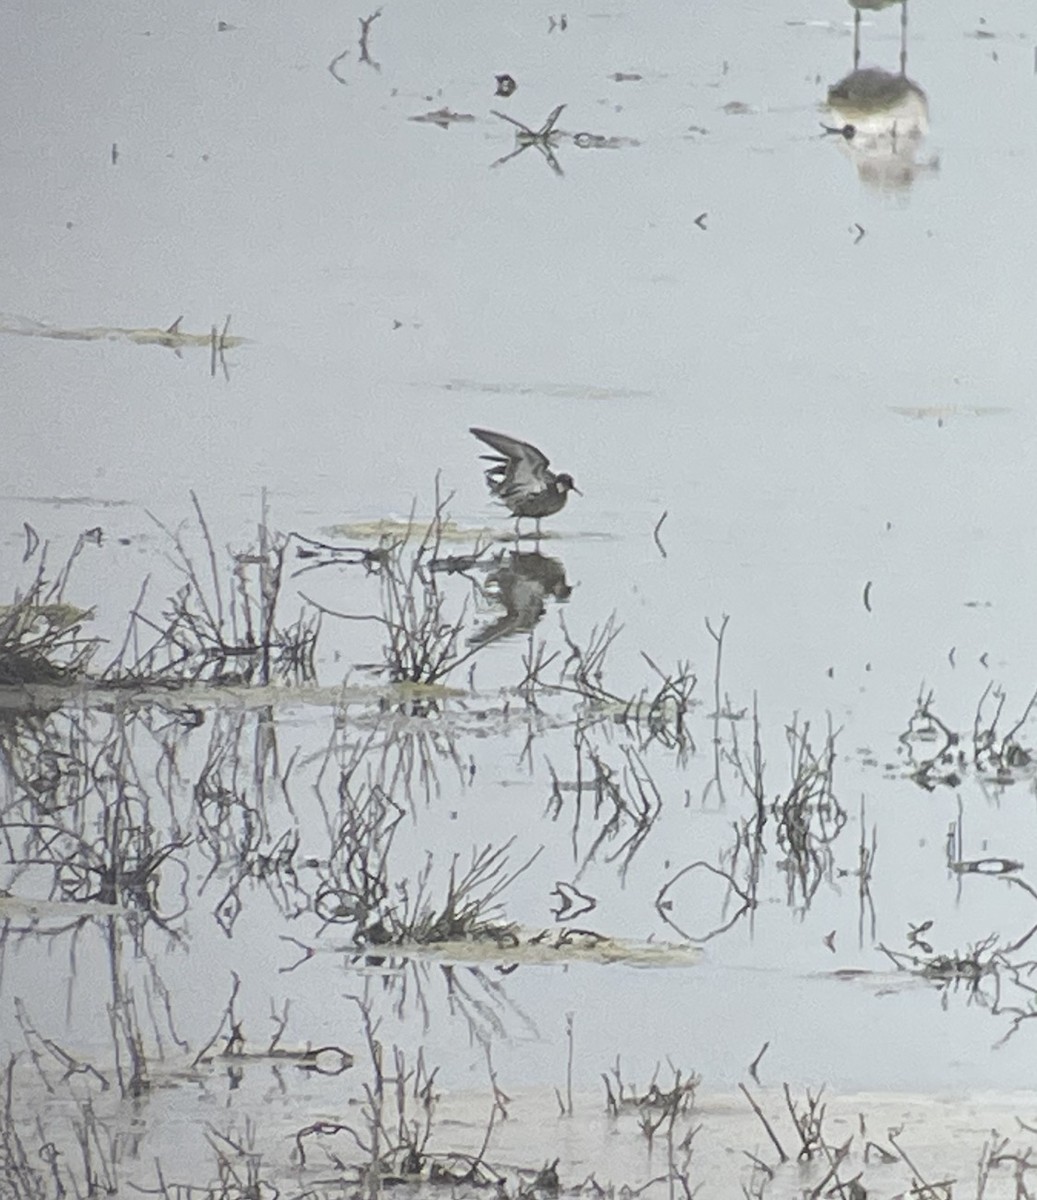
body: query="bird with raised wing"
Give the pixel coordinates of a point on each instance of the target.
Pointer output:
(520, 479)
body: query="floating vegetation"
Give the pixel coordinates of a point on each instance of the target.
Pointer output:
(599, 141)
(394, 529)
(443, 118)
(217, 341)
(172, 336)
(525, 947)
(562, 391)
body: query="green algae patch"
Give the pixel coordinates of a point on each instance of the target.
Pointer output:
(230, 697)
(393, 529)
(550, 947)
(172, 337)
(396, 528)
(15, 908)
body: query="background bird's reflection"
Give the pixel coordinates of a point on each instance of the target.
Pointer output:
(882, 116)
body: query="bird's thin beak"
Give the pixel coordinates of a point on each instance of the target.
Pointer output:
(577, 490)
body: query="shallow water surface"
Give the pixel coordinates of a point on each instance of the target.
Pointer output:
(303, 748)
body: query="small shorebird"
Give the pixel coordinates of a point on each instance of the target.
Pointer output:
(519, 478)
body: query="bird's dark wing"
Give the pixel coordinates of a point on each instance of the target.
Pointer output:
(521, 465)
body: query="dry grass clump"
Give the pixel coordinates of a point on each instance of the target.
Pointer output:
(41, 633)
(222, 625)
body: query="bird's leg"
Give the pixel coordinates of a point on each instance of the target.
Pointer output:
(903, 37)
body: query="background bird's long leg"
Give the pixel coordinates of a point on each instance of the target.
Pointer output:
(903, 37)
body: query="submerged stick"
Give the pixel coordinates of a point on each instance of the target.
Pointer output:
(655, 533)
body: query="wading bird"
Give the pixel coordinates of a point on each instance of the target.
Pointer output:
(519, 478)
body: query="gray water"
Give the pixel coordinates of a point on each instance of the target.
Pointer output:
(809, 350)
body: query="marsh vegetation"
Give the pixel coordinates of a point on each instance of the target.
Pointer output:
(148, 805)
(364, 836)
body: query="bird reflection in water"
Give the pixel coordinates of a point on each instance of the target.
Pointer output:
(881, 116)
(522, 582)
